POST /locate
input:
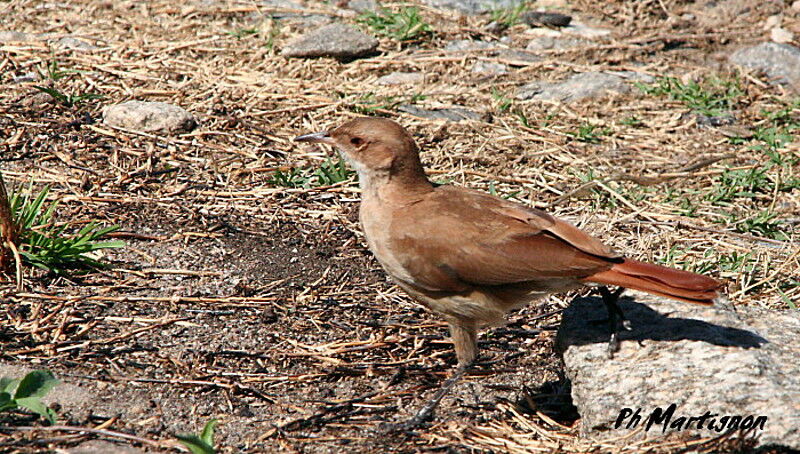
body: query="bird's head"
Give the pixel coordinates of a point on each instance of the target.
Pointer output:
(377, 148)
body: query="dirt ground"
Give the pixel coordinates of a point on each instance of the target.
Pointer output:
(260, 305)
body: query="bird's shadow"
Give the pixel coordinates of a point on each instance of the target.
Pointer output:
(577, 326)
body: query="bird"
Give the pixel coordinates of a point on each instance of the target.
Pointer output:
(472, 257)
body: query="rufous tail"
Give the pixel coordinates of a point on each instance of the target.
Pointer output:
(660, 280)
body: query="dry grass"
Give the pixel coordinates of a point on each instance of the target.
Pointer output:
(215, 249)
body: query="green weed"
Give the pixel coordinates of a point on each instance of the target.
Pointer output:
(242, 32)
(506, 104)
(327, 174)
(507, 195)
(202, 443)
(27, 393)
(273, 34)
(762, 224)
(54, 72)
(590, 133)
(45, 245)
(714, 97)
(710, 261)
(633, 122)
(369, 103)
(291, 178)
(405, 24)
(67, 99)
(786, 300)
(732, 184)
(600, 198)
(503, 102)
(509, 16)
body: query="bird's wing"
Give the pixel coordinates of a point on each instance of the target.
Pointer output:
(457, 238)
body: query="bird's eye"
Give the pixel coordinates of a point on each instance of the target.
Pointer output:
(357, 141)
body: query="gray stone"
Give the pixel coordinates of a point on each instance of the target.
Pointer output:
(27, 77)
(291, 13)
(634, 76)
(449, 114)
(490, 69)
(551, 42)
(283, 9)
(401, 78)
(311, 21)
(585, 31)
(714, 121)
(473, 7)
(69, 42)
(335, 40)
(780, 62)
(702, 359)
(577, 87)
(468, 45)
(37, 99)
(518, 55)
(158, 117)
(363, 6)
(781, 35)
(10, 37)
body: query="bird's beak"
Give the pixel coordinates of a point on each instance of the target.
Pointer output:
(317, 137)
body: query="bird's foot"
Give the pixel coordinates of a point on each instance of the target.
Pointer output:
(616, 318)
(425, 413)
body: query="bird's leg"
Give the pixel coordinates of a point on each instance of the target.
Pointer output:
(426, 412)
(616, 319)
(465, 341)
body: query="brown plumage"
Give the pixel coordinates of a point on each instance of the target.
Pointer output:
(470, 256)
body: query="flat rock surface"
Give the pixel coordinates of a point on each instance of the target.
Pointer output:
(149, 117)
(577, 87)
(702, 359)
(778, 61)
(334, 40)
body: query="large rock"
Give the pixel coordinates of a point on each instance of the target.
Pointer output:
(577, 87)
(701, 359)
(158, 117)
(780, 62)
(335, 40)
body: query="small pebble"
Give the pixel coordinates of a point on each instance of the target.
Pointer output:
(781, 35)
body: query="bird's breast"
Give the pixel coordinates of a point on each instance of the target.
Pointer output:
(376, 224)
